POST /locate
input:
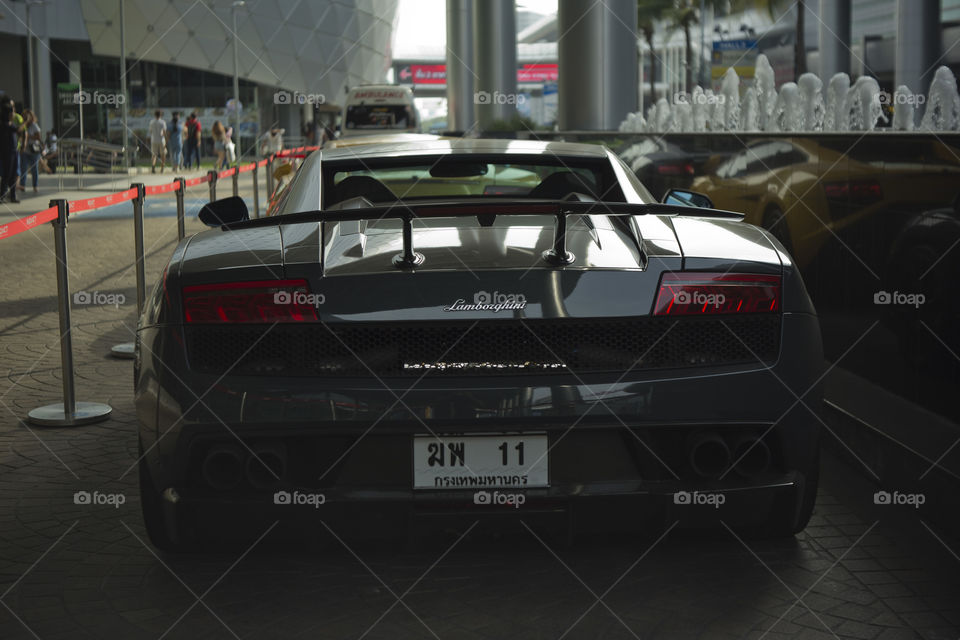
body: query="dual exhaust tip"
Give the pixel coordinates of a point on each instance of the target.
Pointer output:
(710, 455)
(228, 466)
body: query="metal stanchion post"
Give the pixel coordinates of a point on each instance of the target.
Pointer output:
(236, 181)
(256, 190)
(180, 192)
(269, 178)
(213, 184)
(70, 412)
(128, 349)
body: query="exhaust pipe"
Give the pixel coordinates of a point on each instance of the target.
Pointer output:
(708, 454)
(266, 466)
(751, 457)
(223, 467)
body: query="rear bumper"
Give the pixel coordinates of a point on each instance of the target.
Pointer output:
(583, 509)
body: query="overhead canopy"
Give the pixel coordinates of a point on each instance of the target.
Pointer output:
(313, 47)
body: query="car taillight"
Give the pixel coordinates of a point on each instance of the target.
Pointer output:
(695, 294)
(857, 191)
(263, 301)
(684, 169)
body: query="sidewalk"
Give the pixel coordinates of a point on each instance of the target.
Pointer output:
(74, 187)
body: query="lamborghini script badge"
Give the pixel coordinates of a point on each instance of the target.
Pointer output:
(486, 301)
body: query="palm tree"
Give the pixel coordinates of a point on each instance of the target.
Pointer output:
(649, 12)
(800, 55)
(683, 15)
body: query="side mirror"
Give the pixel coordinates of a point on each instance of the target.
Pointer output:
(686, 198)
(224, 211)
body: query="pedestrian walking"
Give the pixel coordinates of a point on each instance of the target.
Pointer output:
(192, 143)
(272, 141)
(158, 141)
(9, 135)
(175, 140)
(219, 136)
(31, 148)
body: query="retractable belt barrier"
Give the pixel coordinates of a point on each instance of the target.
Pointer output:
(71, 412)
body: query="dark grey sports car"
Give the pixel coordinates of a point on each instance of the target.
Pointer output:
(479, 329)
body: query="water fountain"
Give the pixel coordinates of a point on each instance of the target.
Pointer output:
(801, 106)
(698, 103)
(812, 102)
(863, 104)
(766, 85)
(903, 101)
(943, 103)
(836, 116)
(726, 111)
(750, 113)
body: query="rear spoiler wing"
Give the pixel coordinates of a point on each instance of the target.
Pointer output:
(486, 213)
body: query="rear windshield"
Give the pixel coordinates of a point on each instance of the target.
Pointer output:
(380, 116)
(539, 177)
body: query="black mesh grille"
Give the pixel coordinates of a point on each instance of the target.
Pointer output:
(484, 348)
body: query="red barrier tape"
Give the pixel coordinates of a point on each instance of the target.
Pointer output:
(195, 181)
(88, 204)
(77, 206)
(160, 188)
(27, 222)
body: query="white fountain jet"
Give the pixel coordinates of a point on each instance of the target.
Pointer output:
(863, 102)
(837, 115)
(787, 114)
(811, 95)
(698, 105)
(726, 112)
(766, 85)
(903, 109)
(943, 103)
(750, 112)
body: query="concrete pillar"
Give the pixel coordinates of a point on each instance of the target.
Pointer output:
(460, 73)
(834, 34)
(918, 43)
(598, 63)
(495, 60)
(44, 106)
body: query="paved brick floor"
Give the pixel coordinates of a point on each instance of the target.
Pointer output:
(86, 571)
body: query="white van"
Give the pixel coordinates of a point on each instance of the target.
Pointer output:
(378, 109)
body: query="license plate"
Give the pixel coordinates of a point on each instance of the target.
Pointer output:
(474, 462)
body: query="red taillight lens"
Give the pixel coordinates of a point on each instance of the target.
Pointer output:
(857, 191)
(265, 301)
(685, 169)
(696, 294)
